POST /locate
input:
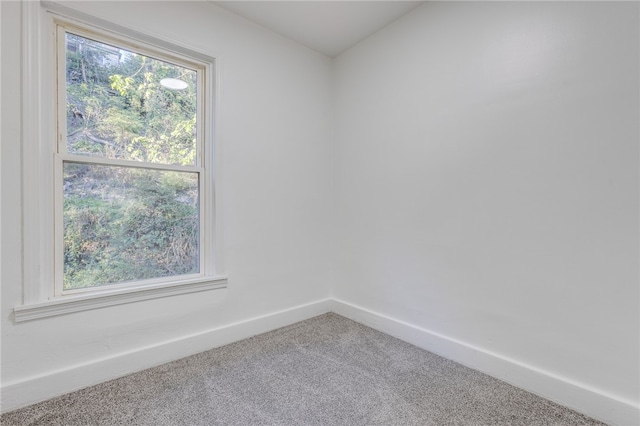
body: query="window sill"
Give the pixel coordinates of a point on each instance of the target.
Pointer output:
(76, 303)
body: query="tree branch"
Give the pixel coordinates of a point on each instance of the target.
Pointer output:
(101, 141)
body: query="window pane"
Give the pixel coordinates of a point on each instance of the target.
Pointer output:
(125, 224)
(124, 105)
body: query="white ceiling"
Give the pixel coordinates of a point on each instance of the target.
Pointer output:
(330, 27)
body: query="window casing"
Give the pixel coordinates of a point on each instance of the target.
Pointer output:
(52, 166)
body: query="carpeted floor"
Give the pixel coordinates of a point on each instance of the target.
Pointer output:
(324, 371)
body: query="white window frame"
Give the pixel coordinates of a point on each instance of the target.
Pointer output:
(42, 165)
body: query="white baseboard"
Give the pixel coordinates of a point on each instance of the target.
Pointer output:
(592, 402)
(39, 388)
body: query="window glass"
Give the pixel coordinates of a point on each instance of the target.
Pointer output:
(125, 224)
(124, 105)
(130, 177)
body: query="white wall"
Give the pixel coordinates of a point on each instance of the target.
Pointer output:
(272, 138)
(487, 170)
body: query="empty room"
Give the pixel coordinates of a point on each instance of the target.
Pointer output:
(320, 212)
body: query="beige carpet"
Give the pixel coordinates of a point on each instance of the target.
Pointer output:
(324, 371)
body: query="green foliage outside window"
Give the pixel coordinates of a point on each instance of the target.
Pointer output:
(127, 223)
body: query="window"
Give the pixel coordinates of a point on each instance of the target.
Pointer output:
(132, 196)
(129, 155)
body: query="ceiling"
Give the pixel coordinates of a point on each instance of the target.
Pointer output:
(329, 27)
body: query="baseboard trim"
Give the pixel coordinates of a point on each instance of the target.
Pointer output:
(39, 388)
(592, 402)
